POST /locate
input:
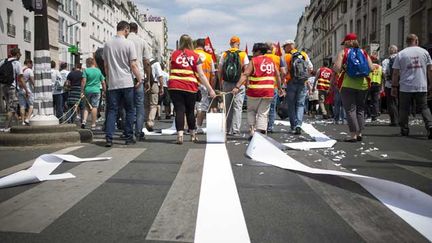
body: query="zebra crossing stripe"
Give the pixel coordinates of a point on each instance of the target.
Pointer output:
(220, 215)
(29, 163)
(35, 209)
(176, 218)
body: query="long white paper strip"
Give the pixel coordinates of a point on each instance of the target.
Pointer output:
(321, 140)
(220, 216)
(412, 205)
(42, 168)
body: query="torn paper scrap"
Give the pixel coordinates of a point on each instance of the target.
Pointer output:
(42, 168)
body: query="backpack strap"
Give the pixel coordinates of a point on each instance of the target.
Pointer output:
(153, 62)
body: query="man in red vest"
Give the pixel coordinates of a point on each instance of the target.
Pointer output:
(259, 76)
(323, 77)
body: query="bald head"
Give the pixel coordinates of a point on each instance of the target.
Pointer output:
(393, 49)
(412, 40)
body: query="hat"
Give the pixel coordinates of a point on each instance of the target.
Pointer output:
(287, 42)
(234, 39)
(348, 37)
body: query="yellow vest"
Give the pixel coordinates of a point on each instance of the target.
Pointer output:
(376, 74)
(207, 62)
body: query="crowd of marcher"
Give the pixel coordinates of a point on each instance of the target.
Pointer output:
(133, 88)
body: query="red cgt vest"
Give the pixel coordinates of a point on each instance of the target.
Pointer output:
(324, 79)
(182, 76)
(261, 82)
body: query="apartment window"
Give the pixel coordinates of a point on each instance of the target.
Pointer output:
(429, 27)
(387, 38)
(10, 25)
(61, 24)
(27, 55)
(27, 33)
(365, 31)
(93, 28)
(374, 20)
(351, 26)
(71, 35)
(388, 4)
(401, 32)
(358, 27)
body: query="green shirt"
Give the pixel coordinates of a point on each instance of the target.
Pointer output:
(355, 83)
(94, 79)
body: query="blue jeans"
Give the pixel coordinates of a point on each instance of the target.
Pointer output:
(296, 92)
(339, 111)
(58, 105)
(272, 113)
(114, 98)
(139, 111)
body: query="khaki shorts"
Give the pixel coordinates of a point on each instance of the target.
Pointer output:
(11, 98)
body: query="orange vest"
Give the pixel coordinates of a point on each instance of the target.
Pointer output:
(182, 76)
(207, 63)
(261, 82)
(324, 78)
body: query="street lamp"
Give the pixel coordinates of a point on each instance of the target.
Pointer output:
(83, 24)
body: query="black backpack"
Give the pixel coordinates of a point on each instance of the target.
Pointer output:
(7, 72)
(299, 70)
(390, 67)
(232, 67)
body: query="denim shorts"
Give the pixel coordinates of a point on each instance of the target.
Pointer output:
(93, 99)
(23, 101)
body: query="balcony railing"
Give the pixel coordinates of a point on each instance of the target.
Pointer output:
(27, 35)
(11, 30)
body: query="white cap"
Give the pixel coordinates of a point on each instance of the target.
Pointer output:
(288, 42)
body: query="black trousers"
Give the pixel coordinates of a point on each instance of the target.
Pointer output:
(405, 102)
(392, 106)
(184, 104)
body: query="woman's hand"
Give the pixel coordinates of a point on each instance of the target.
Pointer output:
(212, 93)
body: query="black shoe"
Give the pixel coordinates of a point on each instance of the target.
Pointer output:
(430, 133)
(168, 117)
(404, 131)
(350, 140)
(83, 125)
(297, 131)
(150, 129)
(130, 141)
(109, 144)
(359, 138)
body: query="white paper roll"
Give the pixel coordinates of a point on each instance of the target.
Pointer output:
(216, 128)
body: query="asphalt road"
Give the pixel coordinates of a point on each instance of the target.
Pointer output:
(149, 191)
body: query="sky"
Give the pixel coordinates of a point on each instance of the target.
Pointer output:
(251, 20)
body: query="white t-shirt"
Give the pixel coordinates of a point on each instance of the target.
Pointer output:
(55, 74)
(143, 50)
(156, 71)
(165, 76)
(412, 63)
(28, 73)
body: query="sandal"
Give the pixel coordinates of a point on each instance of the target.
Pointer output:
(179, 139)
(194, 137)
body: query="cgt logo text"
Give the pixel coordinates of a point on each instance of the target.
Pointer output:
(267, 68)
(181, 60)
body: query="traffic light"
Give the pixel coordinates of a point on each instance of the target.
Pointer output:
(28, 4)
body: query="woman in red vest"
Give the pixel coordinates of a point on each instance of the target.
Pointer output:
(186, 69)
(260, 75)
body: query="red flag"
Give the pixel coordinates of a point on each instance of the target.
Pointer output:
(278, 49)
(209, 48)
(246, 50)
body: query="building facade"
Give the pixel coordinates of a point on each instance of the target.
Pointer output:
(16, 29)
(85, 25)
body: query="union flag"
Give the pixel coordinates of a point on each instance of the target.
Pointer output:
(209, 48)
